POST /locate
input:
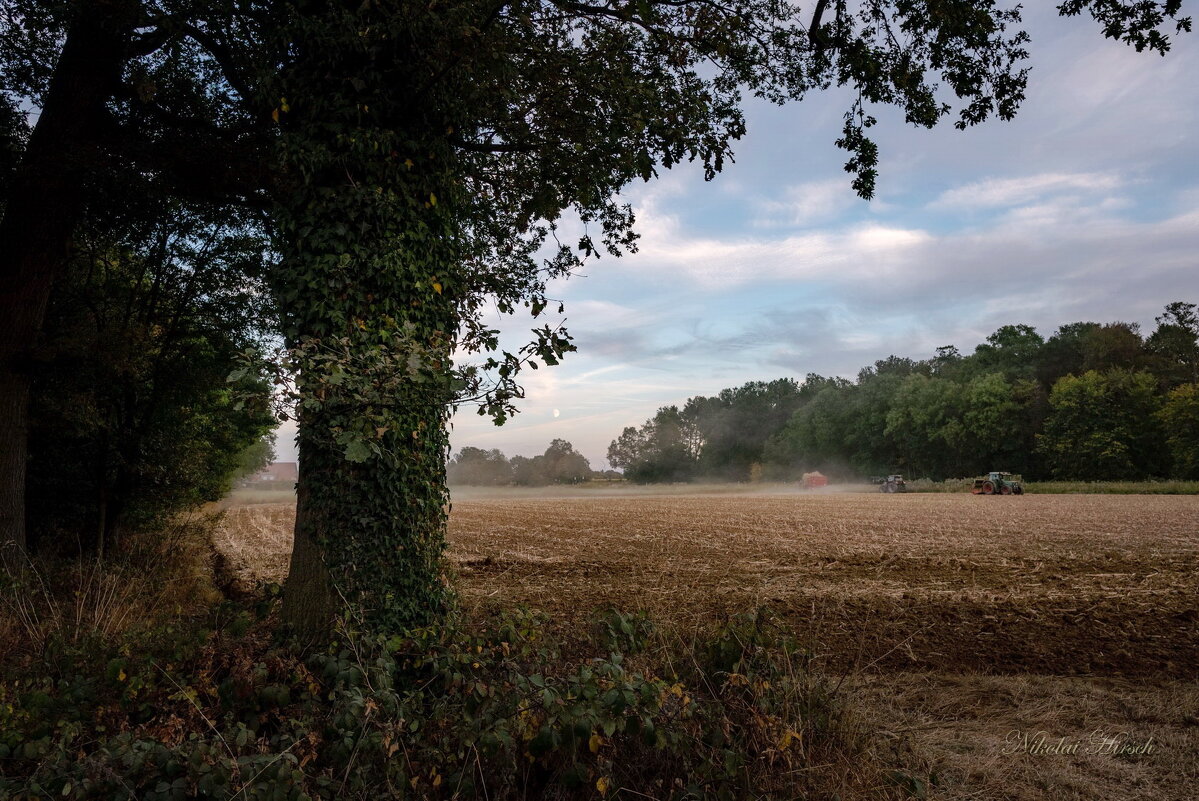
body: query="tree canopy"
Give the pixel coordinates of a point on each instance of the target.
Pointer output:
(1070, 406)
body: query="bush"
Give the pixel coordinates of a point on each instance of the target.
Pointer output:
(451, 711)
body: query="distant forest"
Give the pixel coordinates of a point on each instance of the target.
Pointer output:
(560, 464)
(1091, 402)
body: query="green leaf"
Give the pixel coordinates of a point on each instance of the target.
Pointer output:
(357, 451)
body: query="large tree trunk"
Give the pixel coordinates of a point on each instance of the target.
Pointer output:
(369, 535)
(371, 259)
(373, 326)
(309, 602)
(40, 215)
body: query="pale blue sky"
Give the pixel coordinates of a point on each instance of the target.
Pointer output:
(1086, 207)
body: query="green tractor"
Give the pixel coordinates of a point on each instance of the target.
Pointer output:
(999, 483)
(891, 483)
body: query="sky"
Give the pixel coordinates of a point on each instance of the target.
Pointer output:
(1085, 207)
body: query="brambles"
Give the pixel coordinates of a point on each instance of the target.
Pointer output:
(451, 711)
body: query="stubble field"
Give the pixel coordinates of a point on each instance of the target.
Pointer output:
(1063, 584)
(960, 620)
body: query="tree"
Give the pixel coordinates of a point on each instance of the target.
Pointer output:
(133, 417)
(947, 363)
(893, 365)
(1104, 426)
(1174, 345)
(113, 82)
(627, 449)
(528, 472)
(565, 465)
(867, 445)
(817, 435)
(477, 467)
(925, 420)
(255, 456)
(665, 449)
(423, 154)
(1012, 350)
(560, 464)
(1179, 417)
(1114, 345)
(719, 437)
(735, 425)
(1002, 418)
(1063, 353)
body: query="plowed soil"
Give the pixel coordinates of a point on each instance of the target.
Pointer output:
(1063, 584)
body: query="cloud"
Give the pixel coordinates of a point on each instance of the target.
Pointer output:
(1003, 192)
(1086, 207)
(834, 300)
(689, 315)
(863, 250)
(806, 204)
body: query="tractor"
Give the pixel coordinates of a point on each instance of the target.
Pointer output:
(999, 483)
(892, 483)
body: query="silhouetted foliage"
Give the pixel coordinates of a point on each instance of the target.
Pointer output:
(132, 416)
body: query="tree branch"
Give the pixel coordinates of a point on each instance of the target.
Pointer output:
(224, 59)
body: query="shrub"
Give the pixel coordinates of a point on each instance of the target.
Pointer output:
(453, 711)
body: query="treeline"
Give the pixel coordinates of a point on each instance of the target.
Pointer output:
(560, 464)
(132, 416)
(1091, 402)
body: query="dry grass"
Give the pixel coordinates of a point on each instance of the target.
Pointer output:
(959, 619)
(157, 577)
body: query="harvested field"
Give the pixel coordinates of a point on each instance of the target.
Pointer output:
(959, 620)
(1062, 584)
(254, 543)
(1056, 584)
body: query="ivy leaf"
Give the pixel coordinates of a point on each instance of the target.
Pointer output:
(357, 451)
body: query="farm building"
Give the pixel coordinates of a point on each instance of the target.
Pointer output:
(278, 471)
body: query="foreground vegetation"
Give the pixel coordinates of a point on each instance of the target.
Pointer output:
(112, 689)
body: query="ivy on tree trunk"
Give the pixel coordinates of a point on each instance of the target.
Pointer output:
(367, 286)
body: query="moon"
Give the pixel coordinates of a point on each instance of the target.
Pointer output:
(556, 412)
